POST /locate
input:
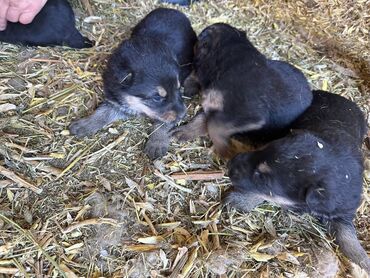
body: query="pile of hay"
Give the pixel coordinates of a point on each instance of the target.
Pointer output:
(98, 207)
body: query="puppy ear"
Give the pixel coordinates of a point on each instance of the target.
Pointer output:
(319, 199)
(127, 79)
(262, 172)
(264, 168)
(123, 73)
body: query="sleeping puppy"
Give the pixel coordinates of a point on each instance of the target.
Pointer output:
(317, 169)
(53, 25)
(242, 90)
(143, 77)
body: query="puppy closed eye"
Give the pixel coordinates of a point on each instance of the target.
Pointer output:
(161, 94)
(157, 98)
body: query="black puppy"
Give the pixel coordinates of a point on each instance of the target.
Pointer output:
(317, 169)
(53, 25)
(144, 75)
(242, 90)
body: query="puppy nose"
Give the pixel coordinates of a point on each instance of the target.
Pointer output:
(170, 116)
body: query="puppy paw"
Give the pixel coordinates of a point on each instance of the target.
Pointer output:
(82, 128)
(232, 198)
(242, 201)
(182, 134)
(156, 148)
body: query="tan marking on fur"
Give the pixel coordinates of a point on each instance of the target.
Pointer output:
(169, 116)
(161, 91)
(212, 100)
(199, 125)
(264, 168)
(237, 147)
(137, 105)
(220, 136)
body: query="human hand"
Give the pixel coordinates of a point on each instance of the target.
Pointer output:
(4, 5)
(23, 11)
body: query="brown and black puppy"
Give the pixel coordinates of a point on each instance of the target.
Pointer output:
(242, 90)
(144, 75)
(317, 169)
(53, 25)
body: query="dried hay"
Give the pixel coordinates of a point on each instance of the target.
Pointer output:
(105, 209)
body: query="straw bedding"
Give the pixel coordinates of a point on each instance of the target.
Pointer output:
(97, 206)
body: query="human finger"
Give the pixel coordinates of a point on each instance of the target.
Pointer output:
(4, 4)
(26, 18)
(27, 15)
(13, 15)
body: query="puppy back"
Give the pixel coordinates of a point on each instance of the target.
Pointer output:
(335, 118)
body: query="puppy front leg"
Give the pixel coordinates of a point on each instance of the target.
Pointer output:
(243, 201)
(159, 141)
(197, 127)
(105, 114)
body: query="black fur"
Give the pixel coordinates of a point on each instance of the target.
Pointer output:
(157, 57)
(317, 169)
(53, 25)
(256, 93)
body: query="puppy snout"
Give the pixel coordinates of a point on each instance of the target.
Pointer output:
(170, 116)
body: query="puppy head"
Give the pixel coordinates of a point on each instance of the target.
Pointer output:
(251, 171)
(143, 76)
(287, 167)
(214, 37)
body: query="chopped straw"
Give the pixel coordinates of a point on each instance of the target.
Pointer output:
(98, 207)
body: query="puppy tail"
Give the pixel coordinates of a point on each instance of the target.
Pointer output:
(348, 242)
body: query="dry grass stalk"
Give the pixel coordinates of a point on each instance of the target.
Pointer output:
(21, 182)
(69, 273)
(94, 156)
(46, 168)
(171, 182)
(8, 270)
(93, 221)
(5, 183)
(149, 222)
(198, 175)
(76, 160)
